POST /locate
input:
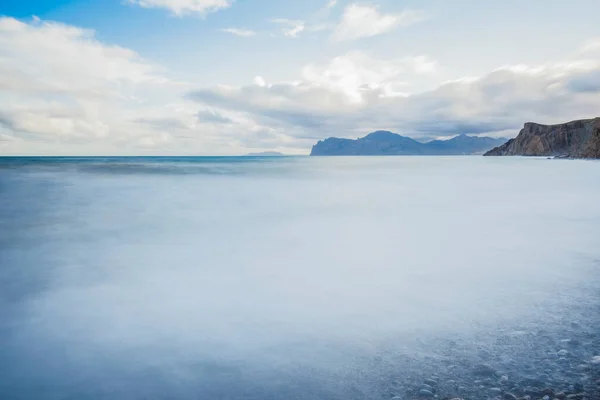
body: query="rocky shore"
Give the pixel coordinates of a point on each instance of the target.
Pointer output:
(553, 357)
(519, 365)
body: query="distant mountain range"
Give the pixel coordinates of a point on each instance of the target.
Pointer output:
(385, 143)
(575, 139)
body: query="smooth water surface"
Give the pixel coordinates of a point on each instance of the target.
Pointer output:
(276, 278)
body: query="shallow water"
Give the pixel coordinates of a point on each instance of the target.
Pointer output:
(271, 278)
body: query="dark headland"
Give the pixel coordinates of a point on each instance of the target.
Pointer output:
(575, 139)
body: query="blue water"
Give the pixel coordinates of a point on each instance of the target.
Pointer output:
(278, 278)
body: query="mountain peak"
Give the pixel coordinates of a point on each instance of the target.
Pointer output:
(463, 137)
(381, 135)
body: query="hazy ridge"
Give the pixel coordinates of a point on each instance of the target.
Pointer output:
(389, 143)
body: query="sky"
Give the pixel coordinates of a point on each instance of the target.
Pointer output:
(227, 77)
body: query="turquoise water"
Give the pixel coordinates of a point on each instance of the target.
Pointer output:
(268, 278)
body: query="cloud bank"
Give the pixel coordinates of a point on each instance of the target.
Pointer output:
(65, 92)
(355, 93)
(59, 83)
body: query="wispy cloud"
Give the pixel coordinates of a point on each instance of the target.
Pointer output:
(330, 4)
(239, 32)
(292, 28)
(184, 7)
(360, 21)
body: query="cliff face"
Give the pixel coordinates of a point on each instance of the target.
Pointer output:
(592, 148)
(580, 139)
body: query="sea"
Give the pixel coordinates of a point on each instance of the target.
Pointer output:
(285, 277)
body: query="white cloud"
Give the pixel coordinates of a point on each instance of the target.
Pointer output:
(294, 31)
(292, 28)
(64, 92)
(359, 21)
(59, 58)
(239, 32)
(184, 7)
(330, 4)
(260, 81)
(355, 71)
(355, 94)
(58, 83)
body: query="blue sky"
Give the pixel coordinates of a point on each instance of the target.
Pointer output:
(229, 77)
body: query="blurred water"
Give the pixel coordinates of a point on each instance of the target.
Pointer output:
(271, 278)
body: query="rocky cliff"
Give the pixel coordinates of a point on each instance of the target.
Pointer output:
(578, 139)
(592, 148)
